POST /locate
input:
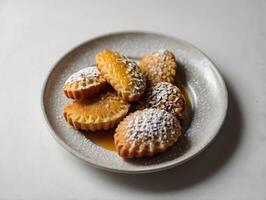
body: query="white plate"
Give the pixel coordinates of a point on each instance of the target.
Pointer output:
(196, 73)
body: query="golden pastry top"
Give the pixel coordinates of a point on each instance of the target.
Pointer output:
(159, 66)
(103, 108)
(123, 74)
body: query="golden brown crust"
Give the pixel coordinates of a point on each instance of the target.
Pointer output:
(84, 84)
(123, 74)
(80, 94)
(159, 66)
(145, 133)
(165, 96)
(101, 112)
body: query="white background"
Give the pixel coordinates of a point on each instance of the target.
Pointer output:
(35, 34)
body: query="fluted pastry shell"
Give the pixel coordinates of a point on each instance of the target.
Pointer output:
(158, 66)
(146, 132)
(122, 73)
(84, 83)
(99, 113)
(165, 96)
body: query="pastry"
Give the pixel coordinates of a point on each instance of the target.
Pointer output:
(165, 96)
(84, 83)
(146, 132)
(123, 74)
(101, 112)
(159, 66)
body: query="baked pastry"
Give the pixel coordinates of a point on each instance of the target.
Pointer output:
(165, 96)
(159, 66)
(84, 83)
(146, 132)
(101, 112)
(123, 74)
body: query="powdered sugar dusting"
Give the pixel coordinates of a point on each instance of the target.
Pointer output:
(83, 74)
(161, 53)
(165, 96)
(136, 45)
(151, 126)
(159, 66)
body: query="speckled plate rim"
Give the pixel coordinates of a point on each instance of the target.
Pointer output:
(154, 169)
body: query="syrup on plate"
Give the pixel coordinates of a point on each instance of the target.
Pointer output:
(105, 138)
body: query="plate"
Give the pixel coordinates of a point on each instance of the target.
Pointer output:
(197, 75)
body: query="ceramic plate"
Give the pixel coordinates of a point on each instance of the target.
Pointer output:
(197, 75)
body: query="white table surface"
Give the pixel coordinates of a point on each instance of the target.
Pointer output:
(35, 34)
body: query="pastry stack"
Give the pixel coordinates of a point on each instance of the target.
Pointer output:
(103, 95)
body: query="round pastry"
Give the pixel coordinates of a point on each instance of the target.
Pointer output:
(84, 83)
(146, 132)
(101, 112)
(123, 74)
(165, 96)
(158, 67)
